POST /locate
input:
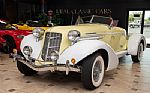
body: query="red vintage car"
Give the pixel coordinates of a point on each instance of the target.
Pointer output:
(10, 37)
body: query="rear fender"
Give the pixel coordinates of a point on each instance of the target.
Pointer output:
(133, 43)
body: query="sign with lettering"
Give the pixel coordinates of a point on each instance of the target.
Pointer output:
(101, 11)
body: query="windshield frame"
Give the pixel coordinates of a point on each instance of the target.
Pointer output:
(80, 20)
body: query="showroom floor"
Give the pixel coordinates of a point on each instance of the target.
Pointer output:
(127, 78)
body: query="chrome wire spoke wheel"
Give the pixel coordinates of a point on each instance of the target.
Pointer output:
(140, 51)
(98, 71)
(92, 71)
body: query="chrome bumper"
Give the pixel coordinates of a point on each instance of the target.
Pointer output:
(50, 67)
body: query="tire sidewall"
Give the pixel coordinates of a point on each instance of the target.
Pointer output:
(24, 69)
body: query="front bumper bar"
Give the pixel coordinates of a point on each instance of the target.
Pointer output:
(45, 67)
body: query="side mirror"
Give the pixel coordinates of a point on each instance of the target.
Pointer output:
(115, 23)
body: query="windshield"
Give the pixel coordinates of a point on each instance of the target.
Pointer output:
(103, 20)
(95, 19)
(86, 19)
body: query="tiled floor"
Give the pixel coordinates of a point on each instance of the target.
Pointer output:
(127, 78)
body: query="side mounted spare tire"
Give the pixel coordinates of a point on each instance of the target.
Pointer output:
(92, 71)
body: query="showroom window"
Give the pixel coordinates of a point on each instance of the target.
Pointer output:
(139, 22)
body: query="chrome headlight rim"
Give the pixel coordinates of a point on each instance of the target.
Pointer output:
(54, 55)
(73, 35)
(27, 50)
(38, 32)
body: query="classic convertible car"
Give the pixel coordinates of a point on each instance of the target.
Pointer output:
(12, 34)
(90, 47)
(30, 25)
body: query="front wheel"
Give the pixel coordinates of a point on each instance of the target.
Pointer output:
(138, 57)
(10, 45)
(24, 69)
(92, 71)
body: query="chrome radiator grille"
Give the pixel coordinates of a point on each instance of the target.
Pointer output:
(51, 43)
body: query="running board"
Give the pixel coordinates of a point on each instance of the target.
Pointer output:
(121, 53)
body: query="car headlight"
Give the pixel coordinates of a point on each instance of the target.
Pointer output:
(73, 35)
(54, 55)
(27, 50)
(38, 32)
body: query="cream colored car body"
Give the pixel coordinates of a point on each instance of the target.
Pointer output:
(111, 39)
(89, 48)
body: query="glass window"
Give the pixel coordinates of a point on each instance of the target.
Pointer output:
(134, 21)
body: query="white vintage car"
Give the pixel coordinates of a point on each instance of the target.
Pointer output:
(90, 47)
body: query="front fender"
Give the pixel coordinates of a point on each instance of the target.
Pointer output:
(133, 43)
(30, 40)
(82, 49)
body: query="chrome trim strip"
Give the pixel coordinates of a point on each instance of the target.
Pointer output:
(89, 38)
(110, 33)
(105, 33)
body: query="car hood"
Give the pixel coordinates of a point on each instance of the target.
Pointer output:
(84, 29)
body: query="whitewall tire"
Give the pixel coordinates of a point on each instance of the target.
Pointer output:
(92, 71)
(138, 57)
